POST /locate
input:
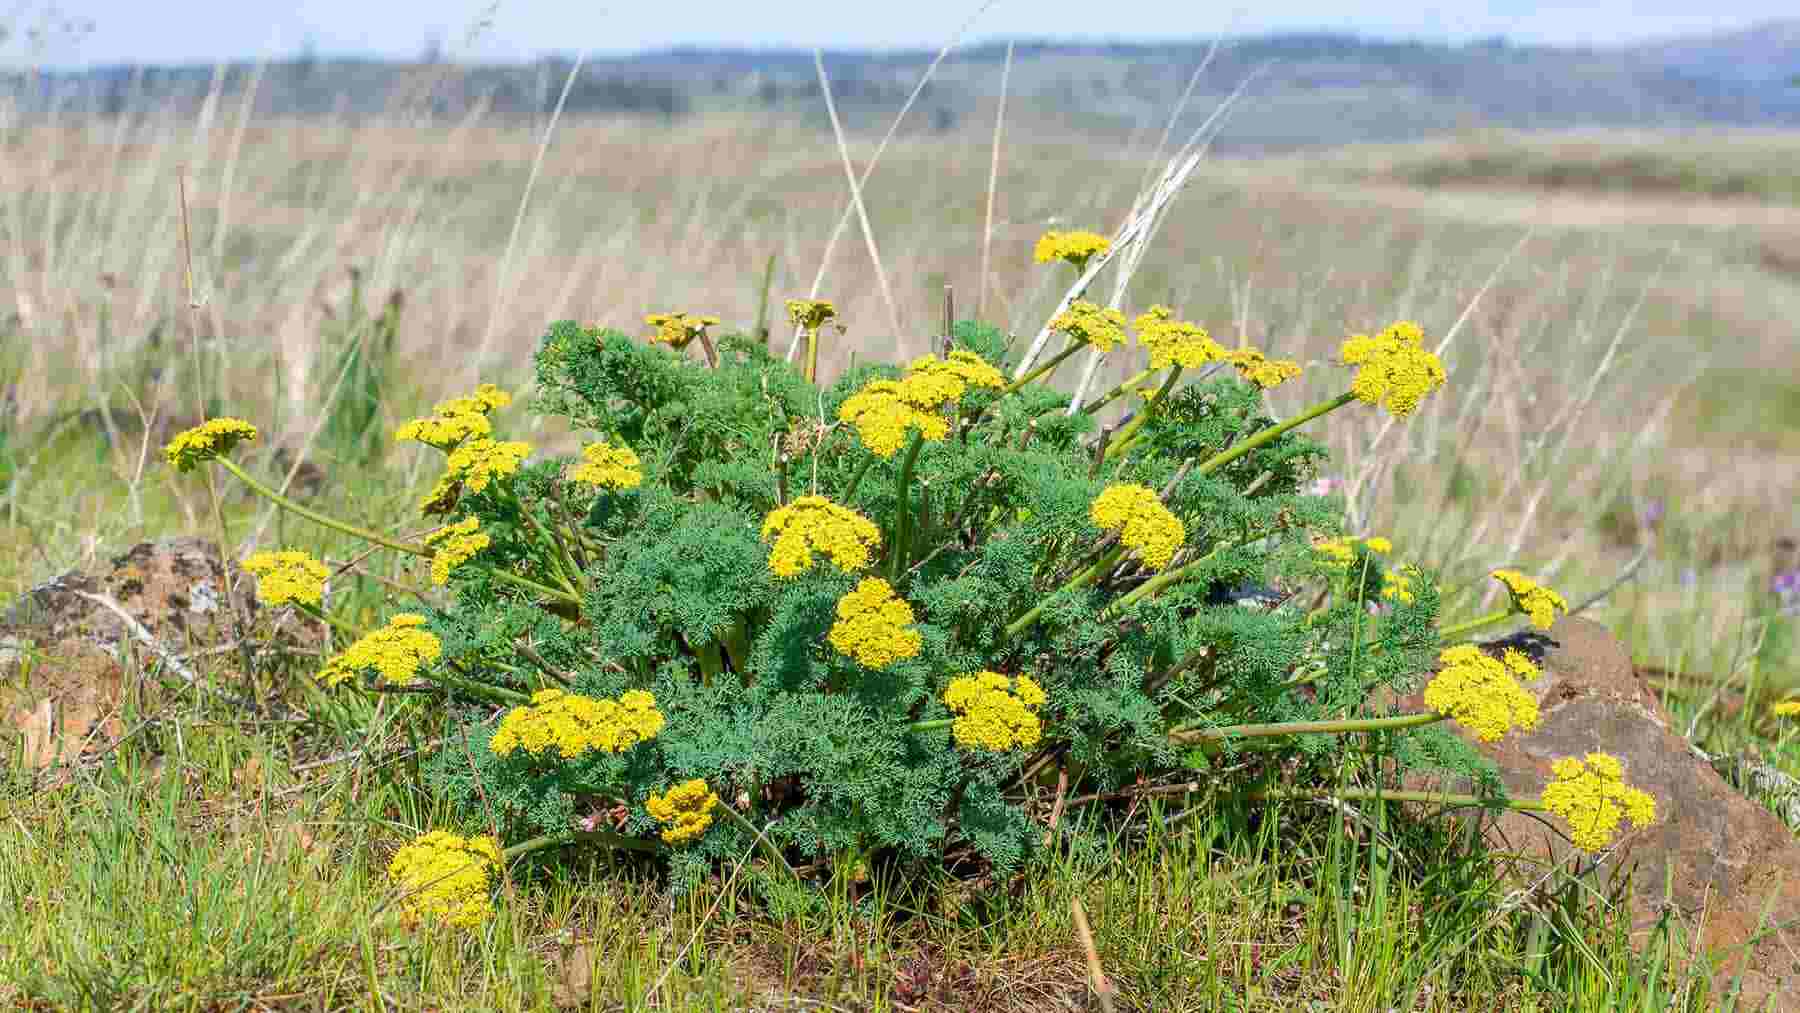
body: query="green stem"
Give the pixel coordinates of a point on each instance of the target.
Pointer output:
(318, 518)
(935, 724)
(1230, 454)
(812, 354)
(606, 837)
(1116, 392)
(1339, 727)
(1453, 632)
(532, 585)
(897, 560)
(1380, 794)
(856, 479)
(1073, 347)
(1121, 440)
(1080, 580)
(472, 688)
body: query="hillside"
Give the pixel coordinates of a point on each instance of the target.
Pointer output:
(1303, 90)
(1766, 52)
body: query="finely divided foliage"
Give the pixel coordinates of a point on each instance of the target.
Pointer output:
(872, 617)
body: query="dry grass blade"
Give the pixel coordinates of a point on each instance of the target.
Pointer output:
(987, 223)
(856, 198)
(1096, 974)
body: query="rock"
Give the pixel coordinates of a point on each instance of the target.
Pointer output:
(1726, 859)
(65, 654)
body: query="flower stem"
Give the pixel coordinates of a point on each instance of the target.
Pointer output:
(1073, 347)
(897, 560)
(486, 692)
(1340, 727)
(1380, 794)
(318, 518)
(606, 837)
(1116, 392)
(1230, 454)
(856, 479)
(935, 724)
(1080, 580)
(1451, 633)
(812, 354)
(1122, 440)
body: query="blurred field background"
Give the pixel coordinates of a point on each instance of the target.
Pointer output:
(1618, 301)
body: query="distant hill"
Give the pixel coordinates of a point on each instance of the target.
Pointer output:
(1305, 89)
(1766, 52)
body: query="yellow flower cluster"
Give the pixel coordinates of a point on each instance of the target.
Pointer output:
(1786, 709)
(1532, 598)
(1175, 342)
(455, 545)
(1396, 585)
(1339, 553)
(1089, 322)
(1074, 247)
(572, 724)
(815, 524)
(1396, 370)
(995, 712)
(871, 626)
(810, 313)
(288, 575)
(1143, 523)
(685, 811)
(396, 651)
(1261, 370)
(934, 381)
(479, 461)
(444, 875)
(608, 467)
(1481, 694)
(883, 411)
(206, 441)
(677, 329)
(1593, 797)
(457, 419)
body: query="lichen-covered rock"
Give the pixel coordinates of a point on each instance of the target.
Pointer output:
(1728, 862)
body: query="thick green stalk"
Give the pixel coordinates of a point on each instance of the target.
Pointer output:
(494, 693)
(1379, 794)
(1073, 347)
(1117, 392)
(1230, 454)
(318, 518)
(1453, 632)
(812, 354)
(1080, 580)
(856, 479)
(1121, 440)
(897, 559)
(935, 724)
(1340, 727)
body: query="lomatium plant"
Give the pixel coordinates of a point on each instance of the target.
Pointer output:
(879, 616)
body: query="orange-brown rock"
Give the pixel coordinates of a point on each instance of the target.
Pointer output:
(1732, 868)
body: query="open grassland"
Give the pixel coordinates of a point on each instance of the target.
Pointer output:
(1624, 397)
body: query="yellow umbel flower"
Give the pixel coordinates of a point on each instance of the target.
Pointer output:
(443, 496)
(1074, 247)
(1261, 370)
(810, 314)
(995, 712)
(1786, 709)
(572, 724)
(1143, 523)
(677, 329)
(1479, 693)
(207, 441)
(685, 811)
(815, 524)
(456, 419)
(1339, 553)
(455, 545)
(1089, 322)
(1175, 342)
(397, 650)
(608, 467)
(1519, 664)
(1593, 797)
(443, 875)
(479, 461)
(931, 381)
(882, 412)
(1532, 598)
(1396, 371)
(871, 626)
(288, 575)
(1396, 585)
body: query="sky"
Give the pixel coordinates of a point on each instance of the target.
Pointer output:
(208, 31)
